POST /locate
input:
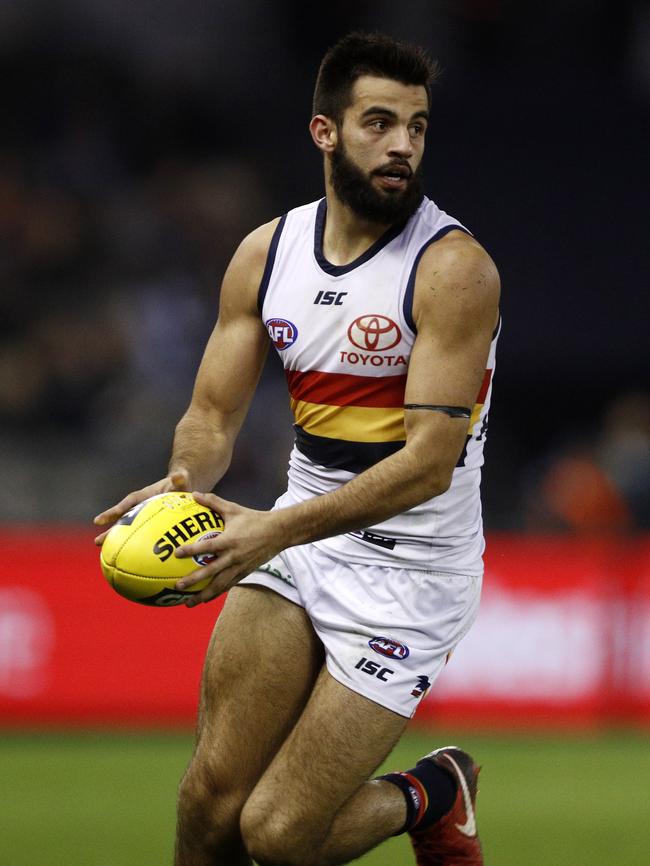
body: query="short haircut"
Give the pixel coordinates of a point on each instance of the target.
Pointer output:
(375, 54)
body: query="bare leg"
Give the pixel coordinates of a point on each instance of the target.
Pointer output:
(314, 804)
(375, 812)
(260, 669)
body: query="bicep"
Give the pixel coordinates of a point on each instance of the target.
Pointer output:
(231, 366)
(447, 369)
(458, 297)
(235, 353)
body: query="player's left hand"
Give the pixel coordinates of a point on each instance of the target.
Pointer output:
(250, 539)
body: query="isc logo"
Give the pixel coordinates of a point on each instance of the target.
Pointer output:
(374, 669)
(283, 332)
(326, 299)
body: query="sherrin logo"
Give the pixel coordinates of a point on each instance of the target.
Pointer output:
(374, 333)
(282, 332)
(390, 648)
(187, 530)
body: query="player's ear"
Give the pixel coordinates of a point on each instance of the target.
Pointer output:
(324, 132)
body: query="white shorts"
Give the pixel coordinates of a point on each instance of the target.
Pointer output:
(387, 632)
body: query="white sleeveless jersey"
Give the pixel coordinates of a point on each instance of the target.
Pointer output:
(345, 335)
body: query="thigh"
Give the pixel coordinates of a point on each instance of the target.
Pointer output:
(339, 741)
(260, 668)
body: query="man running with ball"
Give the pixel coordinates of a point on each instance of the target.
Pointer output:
(346, 599)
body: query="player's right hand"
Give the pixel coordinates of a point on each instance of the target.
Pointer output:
(178, 480)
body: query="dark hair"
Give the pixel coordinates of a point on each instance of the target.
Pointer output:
(360, 54)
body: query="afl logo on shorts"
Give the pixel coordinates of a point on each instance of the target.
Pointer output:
(374, 333)
(392, 649)
(283, 333)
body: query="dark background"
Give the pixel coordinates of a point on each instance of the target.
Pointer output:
(141, 141)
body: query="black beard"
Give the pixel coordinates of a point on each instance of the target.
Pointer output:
(354, 189)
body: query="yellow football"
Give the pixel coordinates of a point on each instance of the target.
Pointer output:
(137, 556)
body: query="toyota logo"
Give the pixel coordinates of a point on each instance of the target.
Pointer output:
(374, 333)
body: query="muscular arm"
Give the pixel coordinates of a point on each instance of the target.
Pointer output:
(224, 386)
(455, 310)
(228, 373)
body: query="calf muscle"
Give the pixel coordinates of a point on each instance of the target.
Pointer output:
(314, 804)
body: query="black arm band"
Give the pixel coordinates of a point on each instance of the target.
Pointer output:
(452, 411)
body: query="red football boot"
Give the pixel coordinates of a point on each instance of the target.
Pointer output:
(453, 840)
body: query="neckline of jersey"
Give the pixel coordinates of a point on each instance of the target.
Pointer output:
(337, 270)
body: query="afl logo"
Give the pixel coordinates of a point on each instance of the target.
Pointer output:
(392, 649)
(283, 333)
(374, 333)
(205, 558)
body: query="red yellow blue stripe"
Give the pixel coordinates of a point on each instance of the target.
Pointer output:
(342, 407)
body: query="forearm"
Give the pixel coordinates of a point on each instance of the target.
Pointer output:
(392, 486)
(203, 444)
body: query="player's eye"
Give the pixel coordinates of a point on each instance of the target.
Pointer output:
(417, 129)
(379, 124)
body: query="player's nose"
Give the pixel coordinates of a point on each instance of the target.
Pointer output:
(400, 143)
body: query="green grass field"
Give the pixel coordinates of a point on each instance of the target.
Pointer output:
(108, 799)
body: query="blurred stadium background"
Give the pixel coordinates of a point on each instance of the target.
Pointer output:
(139, 142)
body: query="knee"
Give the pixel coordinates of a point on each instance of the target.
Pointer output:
(209, 802)
(274, 838)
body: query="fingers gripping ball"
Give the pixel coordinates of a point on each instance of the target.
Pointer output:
(137, 556)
